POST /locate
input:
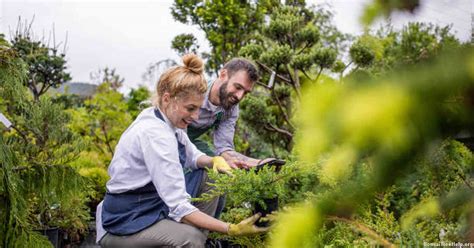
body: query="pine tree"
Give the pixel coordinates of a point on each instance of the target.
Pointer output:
(38, 186)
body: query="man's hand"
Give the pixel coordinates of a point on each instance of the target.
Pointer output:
(237, 160)
(220, 165)
(239, 164)
(246, 227)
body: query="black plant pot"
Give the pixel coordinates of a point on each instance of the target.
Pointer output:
(272, 205)
(53, 236)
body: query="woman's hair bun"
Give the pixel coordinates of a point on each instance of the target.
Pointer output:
(192, 62)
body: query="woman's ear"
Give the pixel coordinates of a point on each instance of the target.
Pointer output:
(165, 99)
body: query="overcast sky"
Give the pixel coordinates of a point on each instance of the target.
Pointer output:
(131, 34)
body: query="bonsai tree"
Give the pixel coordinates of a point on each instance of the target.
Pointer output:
(46, 65)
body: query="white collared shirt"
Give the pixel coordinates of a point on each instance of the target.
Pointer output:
(148, 151)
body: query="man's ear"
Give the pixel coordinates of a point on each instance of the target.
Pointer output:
(223, 75)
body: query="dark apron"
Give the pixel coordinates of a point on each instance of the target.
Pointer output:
(133, 211)
(194, 133)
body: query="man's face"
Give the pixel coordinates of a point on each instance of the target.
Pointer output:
(233, 89)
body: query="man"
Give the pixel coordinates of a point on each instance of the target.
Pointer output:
(220, 111)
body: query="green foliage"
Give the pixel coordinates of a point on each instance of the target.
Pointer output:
(285, 22)
(419, 41)
(376, 139)
(136, 100)
(309, 34)
(93, 168)
(377, 179)
(376, 165)
(248, 143)
(257, 114)
(69, 101)
(324, 57)
(59, 201)
(339, 66)
(47, 139)
(385, 7)
(415, 209)
(295, 40)
(302, 60)
(227, 24)
(15, 230)
(46, 65)
(40, 128)
(300, 235)
(390, 49)
(361, 54)
(184, 43)
(251, 51)
(245, 189)
(286, 39)
(102, 120)
(277, 55)
(38, 187)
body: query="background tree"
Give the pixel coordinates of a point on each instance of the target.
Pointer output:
(46, 65)
(109, 76)
(102, 120)
(185, 43)
(38, 187)
(289, 48)
(384, 8)
(228, 25)
(364, 138)
(374, 169)
(296, 40)
(389, 49)
(137, 100)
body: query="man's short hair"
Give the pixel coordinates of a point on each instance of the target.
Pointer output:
(239, 64)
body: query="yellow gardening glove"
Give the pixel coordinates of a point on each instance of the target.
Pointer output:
(220, 165)
(273, 216)
(246, 227)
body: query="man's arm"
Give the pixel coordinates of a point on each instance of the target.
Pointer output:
(224, 143)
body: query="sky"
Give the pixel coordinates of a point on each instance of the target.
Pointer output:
(129, 35)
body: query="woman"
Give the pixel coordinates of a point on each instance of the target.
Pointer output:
(148, 195)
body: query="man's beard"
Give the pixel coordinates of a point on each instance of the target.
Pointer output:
(225, 97)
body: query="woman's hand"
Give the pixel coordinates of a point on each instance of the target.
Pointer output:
(220, 165)
(246, 227)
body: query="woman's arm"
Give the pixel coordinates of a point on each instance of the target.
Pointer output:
(202, 220)
(204, 161)
(217, 163)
